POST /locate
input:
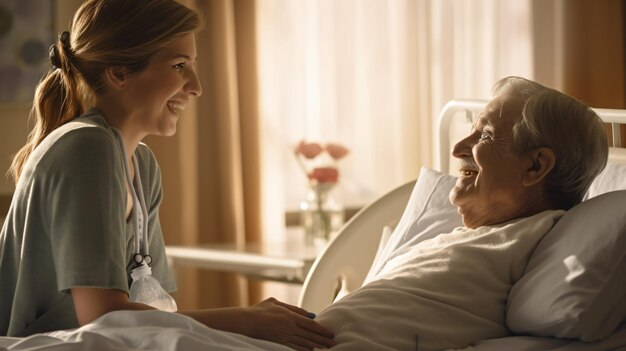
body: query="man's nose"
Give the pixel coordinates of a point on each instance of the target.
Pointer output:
(463, 148)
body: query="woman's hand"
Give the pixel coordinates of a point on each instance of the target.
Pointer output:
(286, 324)
(269, 320)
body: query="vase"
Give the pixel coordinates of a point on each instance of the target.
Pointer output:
(321, 215)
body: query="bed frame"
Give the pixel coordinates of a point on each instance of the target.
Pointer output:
(344, 263)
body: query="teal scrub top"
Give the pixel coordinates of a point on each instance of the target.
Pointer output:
(67, 226)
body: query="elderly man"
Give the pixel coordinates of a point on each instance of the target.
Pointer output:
(531, 155)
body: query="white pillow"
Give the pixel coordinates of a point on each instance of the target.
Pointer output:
(427, 214)
(575, 283)
(612, 178)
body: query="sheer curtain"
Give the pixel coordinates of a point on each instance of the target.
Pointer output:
(373, 75)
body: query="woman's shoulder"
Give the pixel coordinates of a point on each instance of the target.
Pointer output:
(88, 130)
(81, 141)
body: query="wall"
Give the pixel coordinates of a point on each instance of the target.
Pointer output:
(13, 131)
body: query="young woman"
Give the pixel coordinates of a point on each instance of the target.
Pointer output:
(75, 231)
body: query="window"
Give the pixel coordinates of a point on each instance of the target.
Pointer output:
(373, 75)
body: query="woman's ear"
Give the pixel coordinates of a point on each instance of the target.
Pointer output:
(116, 76)
(542, 161)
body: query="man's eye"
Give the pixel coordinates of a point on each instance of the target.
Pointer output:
(179, 67)
(485, 136)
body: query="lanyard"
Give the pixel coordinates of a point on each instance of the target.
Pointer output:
(140, 251)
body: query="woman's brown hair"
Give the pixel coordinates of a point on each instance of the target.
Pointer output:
(103, 33)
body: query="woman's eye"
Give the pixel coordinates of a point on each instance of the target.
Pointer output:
(179, 67)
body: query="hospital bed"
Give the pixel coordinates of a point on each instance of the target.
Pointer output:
(347, 261)
(363, 243)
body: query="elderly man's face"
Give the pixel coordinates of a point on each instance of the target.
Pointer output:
(489, 189)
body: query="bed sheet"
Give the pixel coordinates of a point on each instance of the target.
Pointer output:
(139, 330)
(615, 342)
(168, 331)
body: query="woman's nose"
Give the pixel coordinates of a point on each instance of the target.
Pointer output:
(194, 87)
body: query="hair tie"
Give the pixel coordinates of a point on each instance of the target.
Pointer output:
(53, 53)
(65, 39)
(54, 56)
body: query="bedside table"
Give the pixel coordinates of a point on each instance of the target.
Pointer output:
(287, 261)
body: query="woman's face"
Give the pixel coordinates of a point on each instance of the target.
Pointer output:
(157, 95)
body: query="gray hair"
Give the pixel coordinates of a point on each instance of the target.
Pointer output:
(564, 124)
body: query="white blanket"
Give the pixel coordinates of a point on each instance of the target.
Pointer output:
(445, 292)
(139, 330)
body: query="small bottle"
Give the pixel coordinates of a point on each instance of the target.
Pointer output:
(147, 290)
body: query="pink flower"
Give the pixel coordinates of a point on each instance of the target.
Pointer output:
(336, 151)
(318, 162)
(325, 174)
(309, 150)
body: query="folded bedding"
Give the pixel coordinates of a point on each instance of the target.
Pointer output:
(445, 292)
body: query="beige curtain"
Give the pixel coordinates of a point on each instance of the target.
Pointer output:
(589, 54)
(374, 75)
(210, 168)
(579, 48)
(593, 60)
(594, 53)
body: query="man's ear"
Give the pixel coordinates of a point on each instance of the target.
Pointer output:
(542, 161)
(117, 76)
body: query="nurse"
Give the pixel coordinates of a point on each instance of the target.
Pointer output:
(84, 214)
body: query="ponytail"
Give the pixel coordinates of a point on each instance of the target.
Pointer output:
(57, 101)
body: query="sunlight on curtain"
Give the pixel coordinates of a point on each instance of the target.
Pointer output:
(339, 71)
(475, 43)
(373, 75)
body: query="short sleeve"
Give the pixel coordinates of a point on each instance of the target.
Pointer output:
(84, 187)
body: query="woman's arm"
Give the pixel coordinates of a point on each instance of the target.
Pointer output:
(91, 303)
(270, 319)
